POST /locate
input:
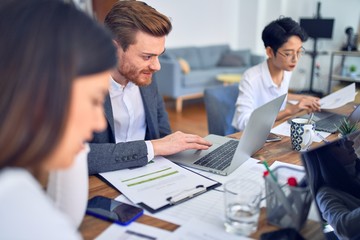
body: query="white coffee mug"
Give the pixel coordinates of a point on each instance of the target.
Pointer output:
(302, 133)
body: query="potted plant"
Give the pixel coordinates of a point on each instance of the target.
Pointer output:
(347, 127)
(352, 71)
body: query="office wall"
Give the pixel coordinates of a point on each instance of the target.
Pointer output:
(240, 23)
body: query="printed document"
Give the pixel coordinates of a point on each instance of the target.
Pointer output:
(339, 98)
(336, 99)
(158, 183)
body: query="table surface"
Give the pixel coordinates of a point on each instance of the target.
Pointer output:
(273, 151)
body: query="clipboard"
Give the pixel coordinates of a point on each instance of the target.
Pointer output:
(159, 185)
(181, 197)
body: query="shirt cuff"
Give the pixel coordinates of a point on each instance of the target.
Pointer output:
(150, 150)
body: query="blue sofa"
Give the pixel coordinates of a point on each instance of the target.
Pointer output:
(202, 65)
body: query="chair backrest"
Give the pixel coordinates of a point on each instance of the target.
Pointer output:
(220, 108)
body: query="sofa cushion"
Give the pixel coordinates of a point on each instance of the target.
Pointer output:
(245, 55)
(231, 60)
(210, 55)
(184, 65)
(190, 54)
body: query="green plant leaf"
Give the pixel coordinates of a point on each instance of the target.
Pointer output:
(347, 127)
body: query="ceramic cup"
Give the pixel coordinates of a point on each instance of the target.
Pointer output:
(302, 133)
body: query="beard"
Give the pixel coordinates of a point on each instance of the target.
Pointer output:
(138, 77)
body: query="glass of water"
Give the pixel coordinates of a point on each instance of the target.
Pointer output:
(242, 206)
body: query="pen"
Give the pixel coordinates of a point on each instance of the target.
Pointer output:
(268, 169)
(282, 210)
(310, 118)
(321, 137)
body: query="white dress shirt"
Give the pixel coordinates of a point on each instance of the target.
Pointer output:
(129, 114)
(255, 89)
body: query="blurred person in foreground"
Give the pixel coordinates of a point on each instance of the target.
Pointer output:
(53, 85)
(334, 176)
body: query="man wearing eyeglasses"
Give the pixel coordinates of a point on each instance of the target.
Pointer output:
(262, 83)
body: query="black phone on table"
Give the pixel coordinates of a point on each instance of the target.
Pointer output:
(112, 210)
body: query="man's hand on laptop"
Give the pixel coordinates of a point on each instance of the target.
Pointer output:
(177, 142)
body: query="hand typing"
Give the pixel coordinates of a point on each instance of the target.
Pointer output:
(177, 142)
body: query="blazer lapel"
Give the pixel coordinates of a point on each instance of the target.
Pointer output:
(108, 113)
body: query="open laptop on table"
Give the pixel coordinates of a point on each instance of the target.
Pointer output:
(323, 168)
(328, 122)
(226, 154)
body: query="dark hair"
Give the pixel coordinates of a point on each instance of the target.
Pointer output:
(277, 32)
(126, 18)
(45, 45)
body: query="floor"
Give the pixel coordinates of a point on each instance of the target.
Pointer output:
(192, 119)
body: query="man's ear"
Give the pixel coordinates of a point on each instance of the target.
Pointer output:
(269, 52)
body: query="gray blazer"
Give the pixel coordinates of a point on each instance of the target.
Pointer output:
(105, 155)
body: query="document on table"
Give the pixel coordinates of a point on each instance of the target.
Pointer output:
(134, 231)
(204, 231)
(339, 98)
(336, 99)
(284, 129)
(209, 207)
(159, 184)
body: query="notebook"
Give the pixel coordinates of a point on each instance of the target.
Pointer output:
(226, 154)
(328, 122)
(325, 166)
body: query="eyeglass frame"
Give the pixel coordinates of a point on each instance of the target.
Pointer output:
(290, 56)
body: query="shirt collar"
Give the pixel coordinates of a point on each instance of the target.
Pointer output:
(268, 80)
(116, 88)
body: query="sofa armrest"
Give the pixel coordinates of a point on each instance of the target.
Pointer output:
(169, 77)
(255, 59)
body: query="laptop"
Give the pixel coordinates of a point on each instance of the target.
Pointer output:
(226, 154)
(329, 122)
(324, 167)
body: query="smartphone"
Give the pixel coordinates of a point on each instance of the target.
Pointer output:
(273, 138)
(112, 210)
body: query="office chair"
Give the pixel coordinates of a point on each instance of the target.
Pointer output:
(220, 107)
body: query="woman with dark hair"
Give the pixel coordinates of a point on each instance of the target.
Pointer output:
(55, 64)
(283, 39)
(334, 175)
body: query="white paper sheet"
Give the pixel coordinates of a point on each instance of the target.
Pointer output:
(339, 98)
(284, 129)
(135, 231)
(199, 230)
(336, 99)
(209, 207)
(154, 183)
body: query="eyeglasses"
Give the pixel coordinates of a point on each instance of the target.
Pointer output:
(290, 56)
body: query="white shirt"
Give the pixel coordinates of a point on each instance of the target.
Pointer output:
(129, 114)
(27, 212)
(255, 89)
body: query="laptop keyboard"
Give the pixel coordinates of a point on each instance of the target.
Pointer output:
(329, 124)
(220, 158)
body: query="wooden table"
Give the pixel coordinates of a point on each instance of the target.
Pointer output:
(273, 151)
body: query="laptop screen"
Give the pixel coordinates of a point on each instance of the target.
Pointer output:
(333, 173)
